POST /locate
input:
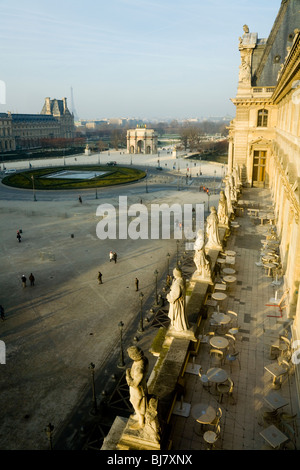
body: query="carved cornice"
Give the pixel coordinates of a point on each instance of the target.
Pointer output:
(246, 102)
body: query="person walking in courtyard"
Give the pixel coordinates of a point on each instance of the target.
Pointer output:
(23, 279)
(79, 199)
(31, 279)
(111, 256)
(100, 278)
(19, 236)
(115, 257)
(2, 313)
(136, 284)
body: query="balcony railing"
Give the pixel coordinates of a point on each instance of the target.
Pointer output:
(268, 89)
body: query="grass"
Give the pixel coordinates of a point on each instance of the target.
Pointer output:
(114, 176)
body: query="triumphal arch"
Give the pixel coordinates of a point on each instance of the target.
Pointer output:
(141, 140)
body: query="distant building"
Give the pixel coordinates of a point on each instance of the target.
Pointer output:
(141, 140)
(24, 131)
(7, 140)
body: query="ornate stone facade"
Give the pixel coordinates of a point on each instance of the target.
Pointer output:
(265, 137)
(19, 131)
(7, 141)
(141, 140)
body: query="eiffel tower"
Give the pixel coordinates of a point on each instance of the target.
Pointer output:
(73, 110)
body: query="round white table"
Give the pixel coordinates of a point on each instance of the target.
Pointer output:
(219, 342)
(228, 271)
(221, 318)
(221, 260)
(203, 413)
(229, 279)
(219, 296)
(230, 260)
(217, 375)
(269, 266)
(230, 253)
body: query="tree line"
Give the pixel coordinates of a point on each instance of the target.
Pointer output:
(189, 135)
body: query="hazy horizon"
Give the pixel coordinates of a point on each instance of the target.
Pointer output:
(127, 58)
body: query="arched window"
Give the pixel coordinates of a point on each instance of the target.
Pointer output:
(262, 118)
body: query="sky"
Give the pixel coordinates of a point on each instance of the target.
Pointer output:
(146, 59)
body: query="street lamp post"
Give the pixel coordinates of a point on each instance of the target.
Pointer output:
(168, 261)
(49, 430)
(156, 296)
(121, 361)
(141, 326)
(177, 251)
(92, 369)
(34, 196)
(215, 182)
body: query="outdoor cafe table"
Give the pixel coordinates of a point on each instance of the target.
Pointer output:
(219, 342)
(230, 253)
(229, 279)
(203, 413)
(230, 260)
(217, 375)
(262, 216)
(220, 286)
(252, 211)
(228, 271)
(276, 371)
(221, 318)
(269, 266)
(275, 401)
(273, 436)
(219, 296)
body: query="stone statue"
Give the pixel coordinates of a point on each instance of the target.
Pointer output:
(152, 427)
(136, 380)
(245, 69)
(233, 194)
(237, 176)
(200, 259)
(176, 298)
(212, 231)
(223, 211)
(228, 197)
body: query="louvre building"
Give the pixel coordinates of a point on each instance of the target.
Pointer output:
(264, 136)
(25, 131)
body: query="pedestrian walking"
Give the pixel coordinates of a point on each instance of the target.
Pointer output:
(2, 313)
(79, 199)
(111, 256)
(100, 278)
(136, 284)
(115, 257)
(31, 279)
(23, 279)
(19, 236)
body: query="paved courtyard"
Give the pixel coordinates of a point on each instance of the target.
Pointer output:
(56, 328)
